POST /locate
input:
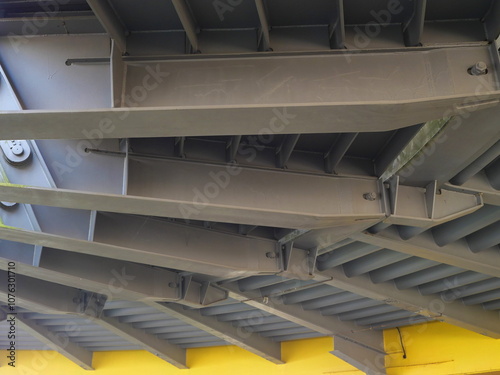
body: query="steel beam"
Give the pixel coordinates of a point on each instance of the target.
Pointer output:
(264, 40)
(150, 241)
(477, 165)
(491, 24)
(366, 360)
(232, 148)
(454, 148)
(338, 150)
(252, 342)
(58, 342)
(286, 149)
(454, 230)
(171, 353)
(230, 120)
(178, 122)
(414, 27)
(283, 105)
(118, 279)
(397, 144)
(484, 238)
(493, 174)
(229, 194)
(111, 23)
(474, 318)
(188, 23)
(456, 254)
(311, 319)
(336, 29)
(41, 295)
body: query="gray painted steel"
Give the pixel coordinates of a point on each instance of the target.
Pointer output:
(270, 100)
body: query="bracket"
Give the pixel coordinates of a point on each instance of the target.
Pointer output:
(90, 304)
(297, 263)
(197, 294)
(425, 207)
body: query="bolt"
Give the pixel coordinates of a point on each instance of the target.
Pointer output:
(271, 255)
(172, 285)
(478, 69)
(371, 196)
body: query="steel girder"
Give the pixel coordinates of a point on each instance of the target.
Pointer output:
(164, 244)
(59, 342)
(42, 296)
(249, 94)
(250, 341)
(254, 197)
(311, 319)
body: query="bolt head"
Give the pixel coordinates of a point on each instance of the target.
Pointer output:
(371, 196)
(479, 68)
(17, 150)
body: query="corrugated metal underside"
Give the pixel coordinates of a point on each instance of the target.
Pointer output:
(155, 31)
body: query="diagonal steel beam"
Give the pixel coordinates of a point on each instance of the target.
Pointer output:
(338, 150)
(414, 27)
(473, 318)
(149, 241)
(366, 360)
(188, 23)
(44, 296)
(250, 341)
(336, 29)
(173, 354)
(264, 39)
(117, 279)
(456, 254)
(110, 21)
(36, 295)
(229, 194)
(57, 341)
(326, 325)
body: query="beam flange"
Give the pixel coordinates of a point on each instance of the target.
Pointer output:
(184, 121)
(252, 342)
(456, 254)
